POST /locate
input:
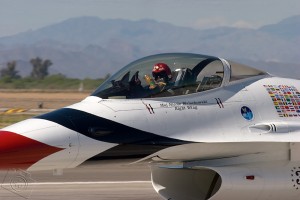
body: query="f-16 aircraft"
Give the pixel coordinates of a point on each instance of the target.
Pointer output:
(209, 128)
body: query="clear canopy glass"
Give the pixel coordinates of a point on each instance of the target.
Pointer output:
(189, 73)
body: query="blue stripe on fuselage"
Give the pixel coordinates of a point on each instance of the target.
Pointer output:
(106, 130)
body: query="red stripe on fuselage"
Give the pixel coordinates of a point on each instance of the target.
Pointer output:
(17, 151)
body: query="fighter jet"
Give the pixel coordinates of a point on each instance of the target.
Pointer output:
(209, 128)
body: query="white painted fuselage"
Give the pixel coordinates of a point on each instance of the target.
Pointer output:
(235, 138)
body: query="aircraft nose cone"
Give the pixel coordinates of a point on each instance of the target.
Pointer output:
(18, 151)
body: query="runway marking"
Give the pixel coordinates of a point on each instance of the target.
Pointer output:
(82, 183)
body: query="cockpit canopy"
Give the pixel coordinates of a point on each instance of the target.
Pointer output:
(190, 73)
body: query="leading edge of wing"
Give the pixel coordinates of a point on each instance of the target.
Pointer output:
(217, 154)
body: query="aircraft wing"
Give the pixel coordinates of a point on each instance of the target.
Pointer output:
(226, 171)
(213, 151)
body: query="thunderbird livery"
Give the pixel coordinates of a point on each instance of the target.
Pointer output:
(209, 128)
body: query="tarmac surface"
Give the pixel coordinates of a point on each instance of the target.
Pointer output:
(105, 180)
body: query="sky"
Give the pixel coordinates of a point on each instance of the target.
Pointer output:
(22, 15)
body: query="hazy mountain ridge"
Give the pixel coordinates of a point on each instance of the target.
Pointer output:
(92, 47)
(283, 29)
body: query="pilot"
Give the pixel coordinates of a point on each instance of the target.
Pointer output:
(162, 76)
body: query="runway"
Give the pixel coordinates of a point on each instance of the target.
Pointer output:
(105, 181)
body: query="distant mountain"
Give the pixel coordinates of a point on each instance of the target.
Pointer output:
(288, 28)
(92, 47)
(93, 30)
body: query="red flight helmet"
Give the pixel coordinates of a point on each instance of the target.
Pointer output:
(162, 70)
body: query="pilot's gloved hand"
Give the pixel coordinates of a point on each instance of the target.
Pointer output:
(161, 84)
(150, 82)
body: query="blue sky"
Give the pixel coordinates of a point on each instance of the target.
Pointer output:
(23, 15)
